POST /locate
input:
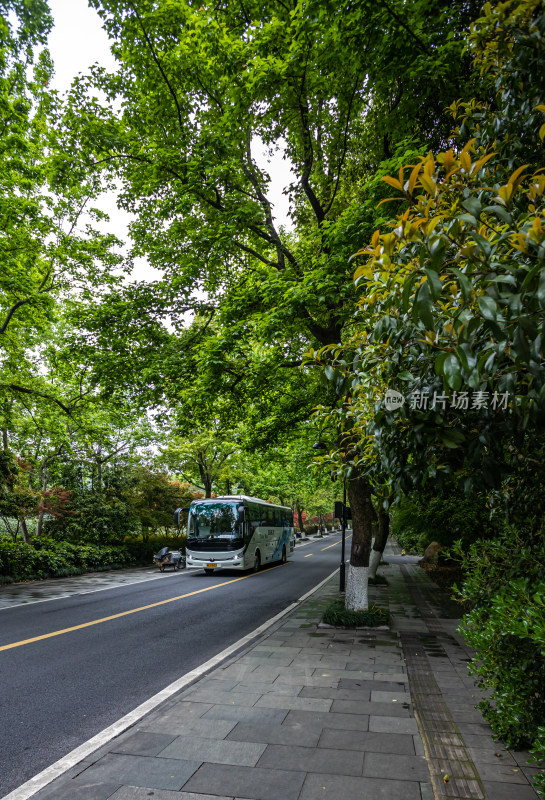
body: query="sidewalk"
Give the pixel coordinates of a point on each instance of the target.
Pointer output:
(307, 713)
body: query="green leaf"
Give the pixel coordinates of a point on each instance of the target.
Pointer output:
(452, 371)
(435, 284)
(488, 307)
(424, 306)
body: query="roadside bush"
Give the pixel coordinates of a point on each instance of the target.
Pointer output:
(443, 516)
(310, 530)
(504, 585)
(47, 558)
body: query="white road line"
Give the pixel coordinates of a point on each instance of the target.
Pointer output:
(57, 769)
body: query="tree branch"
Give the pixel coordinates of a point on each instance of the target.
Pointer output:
(33, 392)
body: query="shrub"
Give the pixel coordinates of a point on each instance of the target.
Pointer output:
(443, 515)
(47, 558)
(337, 614)
(505, 586)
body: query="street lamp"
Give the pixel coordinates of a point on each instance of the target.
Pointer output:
(342, 514)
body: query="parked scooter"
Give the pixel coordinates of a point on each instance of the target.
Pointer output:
(169, 558)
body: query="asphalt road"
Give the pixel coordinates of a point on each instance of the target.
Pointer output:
(57, 692)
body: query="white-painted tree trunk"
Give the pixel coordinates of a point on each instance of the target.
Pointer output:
(374, 561)
(356, 588)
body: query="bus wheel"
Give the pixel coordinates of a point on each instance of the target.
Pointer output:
(257, 561)
(208, 571)
(284, 557)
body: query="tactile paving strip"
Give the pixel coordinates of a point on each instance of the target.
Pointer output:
(444, 746)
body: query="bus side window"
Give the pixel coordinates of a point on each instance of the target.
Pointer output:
(255, 515)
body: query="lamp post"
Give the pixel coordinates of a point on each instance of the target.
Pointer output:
(342, 515)
(342, 572)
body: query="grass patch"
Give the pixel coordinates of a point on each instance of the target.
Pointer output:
(337, 614)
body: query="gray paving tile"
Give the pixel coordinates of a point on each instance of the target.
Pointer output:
(247, 782)
(227, 698)
(154, 773)
(374, 685)
(356, 674)
(504, 773)
(220, 684)
(385, 724)
(271, 669)
(380, 658)
(504, 791)
(215, 751)
(333, 787)
(400, 743)
(78, 789)
(521, 757)
(246, 713)
(142, 743)
(300, 703)
(288, 733)
(400, 767)
(280, 649)
(272, 687)
(349, 722)
(138, 793)
(183, 708)
(315, 660)
(363, 707)
(266, 660)
(332, 693)
(395, 672)
(237, 670)
(308, 759)
(461, 715)
(306, 680)
(426, 791)
(207, 728)
(390, 697)
(261, 676)
(490, 757)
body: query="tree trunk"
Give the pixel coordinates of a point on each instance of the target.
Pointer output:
(380, 541)
(24, 529)
(40, 522)
(300, 518)
(363, 514)
(5, 441)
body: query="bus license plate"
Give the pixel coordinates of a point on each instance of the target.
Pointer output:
(211, 565)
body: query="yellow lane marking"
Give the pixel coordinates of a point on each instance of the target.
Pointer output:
(334, 543)
(125, 613)
(308, 555)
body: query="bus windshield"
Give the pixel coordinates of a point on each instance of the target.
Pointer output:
(213, 521)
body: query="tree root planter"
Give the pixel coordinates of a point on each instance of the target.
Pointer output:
(337, 616)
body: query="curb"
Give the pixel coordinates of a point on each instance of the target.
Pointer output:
(56, 770)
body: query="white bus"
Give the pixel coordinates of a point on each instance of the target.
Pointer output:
(237, 532)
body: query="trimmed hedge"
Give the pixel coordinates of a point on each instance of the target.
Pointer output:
(48, 558)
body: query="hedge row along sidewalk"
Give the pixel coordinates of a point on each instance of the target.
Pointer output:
(307, 712)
